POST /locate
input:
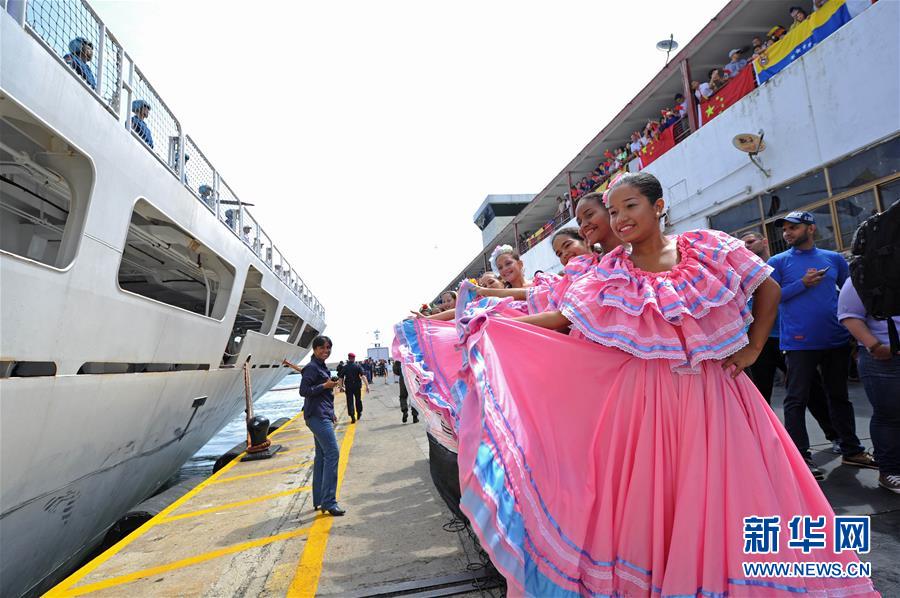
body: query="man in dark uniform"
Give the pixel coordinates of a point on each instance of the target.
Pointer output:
(353, 378)
(404, 395)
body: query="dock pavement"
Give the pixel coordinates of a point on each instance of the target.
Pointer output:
(249, 530)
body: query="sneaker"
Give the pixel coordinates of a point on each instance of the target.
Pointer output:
(405, 416)
(352, 420)
(817, 473)
(415, 419)
(836, 447)
(890, 482)
(862, 459)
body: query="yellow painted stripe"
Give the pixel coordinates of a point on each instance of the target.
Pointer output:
(67, 583)
(194, 560)
(309, 569)
(231, 505)
(261, 473)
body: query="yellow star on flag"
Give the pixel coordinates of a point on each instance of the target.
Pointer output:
(710, 110)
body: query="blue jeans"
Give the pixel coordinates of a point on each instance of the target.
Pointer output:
(325, 465)
(881, 379)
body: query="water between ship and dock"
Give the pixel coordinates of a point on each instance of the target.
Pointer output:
(274, 405)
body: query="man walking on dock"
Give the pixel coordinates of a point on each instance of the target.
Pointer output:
(353, 377)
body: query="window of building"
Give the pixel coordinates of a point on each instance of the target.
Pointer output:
(889, 193)
(851, 211)
(867, 166)
(163, 262)
(740, 216)
(45, 185)
(795, 195)
(826, 234)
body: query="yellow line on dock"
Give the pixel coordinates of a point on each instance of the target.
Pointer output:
(194, 560)
(62, 589)
(261, 473)
(309, 569)
(231, 505)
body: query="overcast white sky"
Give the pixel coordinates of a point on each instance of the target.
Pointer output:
(368, 133)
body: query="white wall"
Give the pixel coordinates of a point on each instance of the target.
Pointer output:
(541, 256)
(493, 229)
(839, 97)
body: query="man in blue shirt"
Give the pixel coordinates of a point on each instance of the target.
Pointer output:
(812, 337)
(141, 111)
(762, 372)
(81, 52)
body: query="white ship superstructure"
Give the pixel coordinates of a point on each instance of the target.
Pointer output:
(134, 285)
(830, 122)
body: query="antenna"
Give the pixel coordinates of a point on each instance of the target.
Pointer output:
(752, 145)
(667, 46)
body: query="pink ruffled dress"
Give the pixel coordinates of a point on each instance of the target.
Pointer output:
(627, 467)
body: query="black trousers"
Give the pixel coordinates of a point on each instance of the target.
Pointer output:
(404, 399)
(354, 393)
(763, 375)
(802, 369)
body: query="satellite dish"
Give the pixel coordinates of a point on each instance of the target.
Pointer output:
(749, 143)
(752, 144)
(667, 45)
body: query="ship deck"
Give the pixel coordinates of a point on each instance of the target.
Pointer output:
(249, 530)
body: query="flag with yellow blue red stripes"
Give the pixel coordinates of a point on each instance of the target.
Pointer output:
(801, 39)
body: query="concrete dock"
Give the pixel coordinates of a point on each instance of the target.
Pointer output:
(249, 530)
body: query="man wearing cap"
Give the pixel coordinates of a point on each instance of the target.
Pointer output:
(141, 111)
(353, 378)
(812, 338)
(736, 64)
(81, 52)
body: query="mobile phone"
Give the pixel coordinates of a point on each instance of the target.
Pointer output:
(824, 270)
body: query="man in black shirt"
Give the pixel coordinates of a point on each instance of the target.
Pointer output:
(353, 377)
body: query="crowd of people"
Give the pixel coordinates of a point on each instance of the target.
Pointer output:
(685, 330)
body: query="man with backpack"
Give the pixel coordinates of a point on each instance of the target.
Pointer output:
(869, 306)
(404, 395)
(813, 339)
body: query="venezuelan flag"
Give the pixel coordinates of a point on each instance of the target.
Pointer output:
(799, 40)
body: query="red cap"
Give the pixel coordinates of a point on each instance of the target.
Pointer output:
(351, 355)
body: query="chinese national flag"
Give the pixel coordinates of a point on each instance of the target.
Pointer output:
(737, 88)
(658, 147)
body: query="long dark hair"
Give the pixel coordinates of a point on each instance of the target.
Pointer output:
(570, 232)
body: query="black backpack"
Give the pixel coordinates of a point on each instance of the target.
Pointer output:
(875, 267)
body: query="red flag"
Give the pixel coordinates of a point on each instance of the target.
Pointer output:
(658, 147)
(737, 88)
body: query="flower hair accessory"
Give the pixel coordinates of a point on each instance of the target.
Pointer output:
(498, 251)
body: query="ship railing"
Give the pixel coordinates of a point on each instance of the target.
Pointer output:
(54, 24)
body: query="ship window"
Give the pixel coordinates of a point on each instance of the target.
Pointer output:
(44, 188)
(289, 325)
(163, 262)
(875, 163)
(795, 195)
(26, 369)
(255, 313)
(104, 367)
(851, 212)
(309, 333)
(740, 216)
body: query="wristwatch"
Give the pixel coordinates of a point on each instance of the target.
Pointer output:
(875, 346)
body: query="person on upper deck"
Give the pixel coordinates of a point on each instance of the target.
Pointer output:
(798, 15)
(81, 52)
(737, 63)
(141, 110)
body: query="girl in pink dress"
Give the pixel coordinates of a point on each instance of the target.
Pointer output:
(638, 465)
